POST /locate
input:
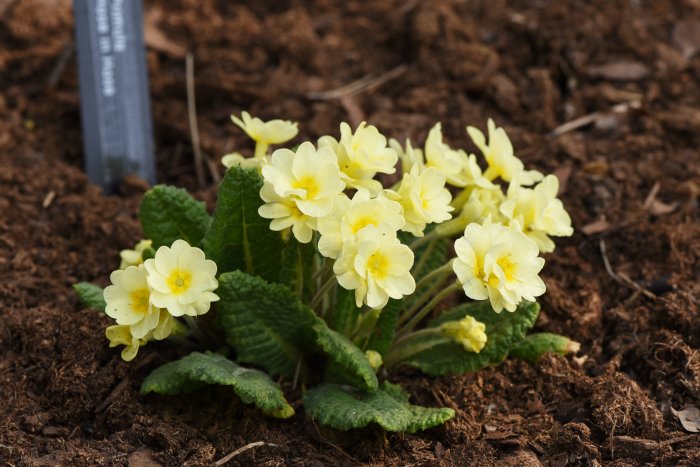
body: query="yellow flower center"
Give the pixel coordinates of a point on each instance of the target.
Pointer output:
(308, 184)
(507, 267)
(361, 223)
(139, 300)
(378, 265)
(179, 281)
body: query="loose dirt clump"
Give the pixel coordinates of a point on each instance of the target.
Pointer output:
(624, 286)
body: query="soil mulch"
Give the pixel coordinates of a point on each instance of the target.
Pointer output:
(625, 285)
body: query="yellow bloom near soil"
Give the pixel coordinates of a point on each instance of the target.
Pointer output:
(499, 264)
(182, 280)
(128, 300)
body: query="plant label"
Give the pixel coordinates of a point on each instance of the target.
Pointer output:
(114, 100)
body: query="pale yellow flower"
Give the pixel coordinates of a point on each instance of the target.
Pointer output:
(285, 214)
(538, 212)
(235, 159)
(376, 266)
(361, 155)
(468, 332)
(134, 257)
(350, 216)
(182, 280)
(482, 204)
(128, 300)
(121, 335)
(452, 163)
(500, 157)
(473, 175)
(167, 325)
(424, 199)
(308, 177)
(496, 263)
(409, 156)
(265, 133)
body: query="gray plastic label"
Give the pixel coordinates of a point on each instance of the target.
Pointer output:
(114, 100)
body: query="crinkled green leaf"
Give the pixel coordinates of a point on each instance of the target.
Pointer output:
(344, 316)
(347, 359)
(296, 266)
(169, 213)
(345, 408)
(166, 380)
(239, 238)
(385, 329)
(197, 369)
(90, 295)
(438, 355)
(265, 322)
(535, 345)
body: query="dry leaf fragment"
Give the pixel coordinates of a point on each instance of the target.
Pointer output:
(624, 70)
(686, 36)
(597, 226)
(157, 40)
(659, 208)
(689, 418)
(563, 174)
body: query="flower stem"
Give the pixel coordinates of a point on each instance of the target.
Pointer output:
(197, 330)
(450, 289)
(411, 343)
(321, 292)
(459, 201)
(422, 240)
(424, 257)
(260, 149)
(434, 274)
(439, 275)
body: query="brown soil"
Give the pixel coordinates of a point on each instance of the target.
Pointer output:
(532, 65)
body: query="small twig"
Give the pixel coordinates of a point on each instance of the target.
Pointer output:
(622, 278)
(214, 167)
(585, 120)
(48, 199)
(367, 83)
(60, 65)
(652, 195)
(241, 450)
(192, 115)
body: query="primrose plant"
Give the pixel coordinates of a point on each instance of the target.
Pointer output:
(317, 271)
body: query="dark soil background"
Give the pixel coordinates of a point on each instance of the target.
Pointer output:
(630, 179)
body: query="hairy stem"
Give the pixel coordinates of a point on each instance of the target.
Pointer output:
(418, 317)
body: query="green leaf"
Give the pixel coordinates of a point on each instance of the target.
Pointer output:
(385, 329)
(265, 322)
(198, 369)
(345, 314)
(347, 359)
(90, 295)
(295, 270)
(169, 213)
(435, 354)
(535, 345)
(239, 238)
(166, 380)
(345, 408)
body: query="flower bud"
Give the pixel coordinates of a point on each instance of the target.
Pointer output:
(468, 332)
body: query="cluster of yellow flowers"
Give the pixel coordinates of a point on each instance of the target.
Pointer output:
(145, 297)
(503, 233)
